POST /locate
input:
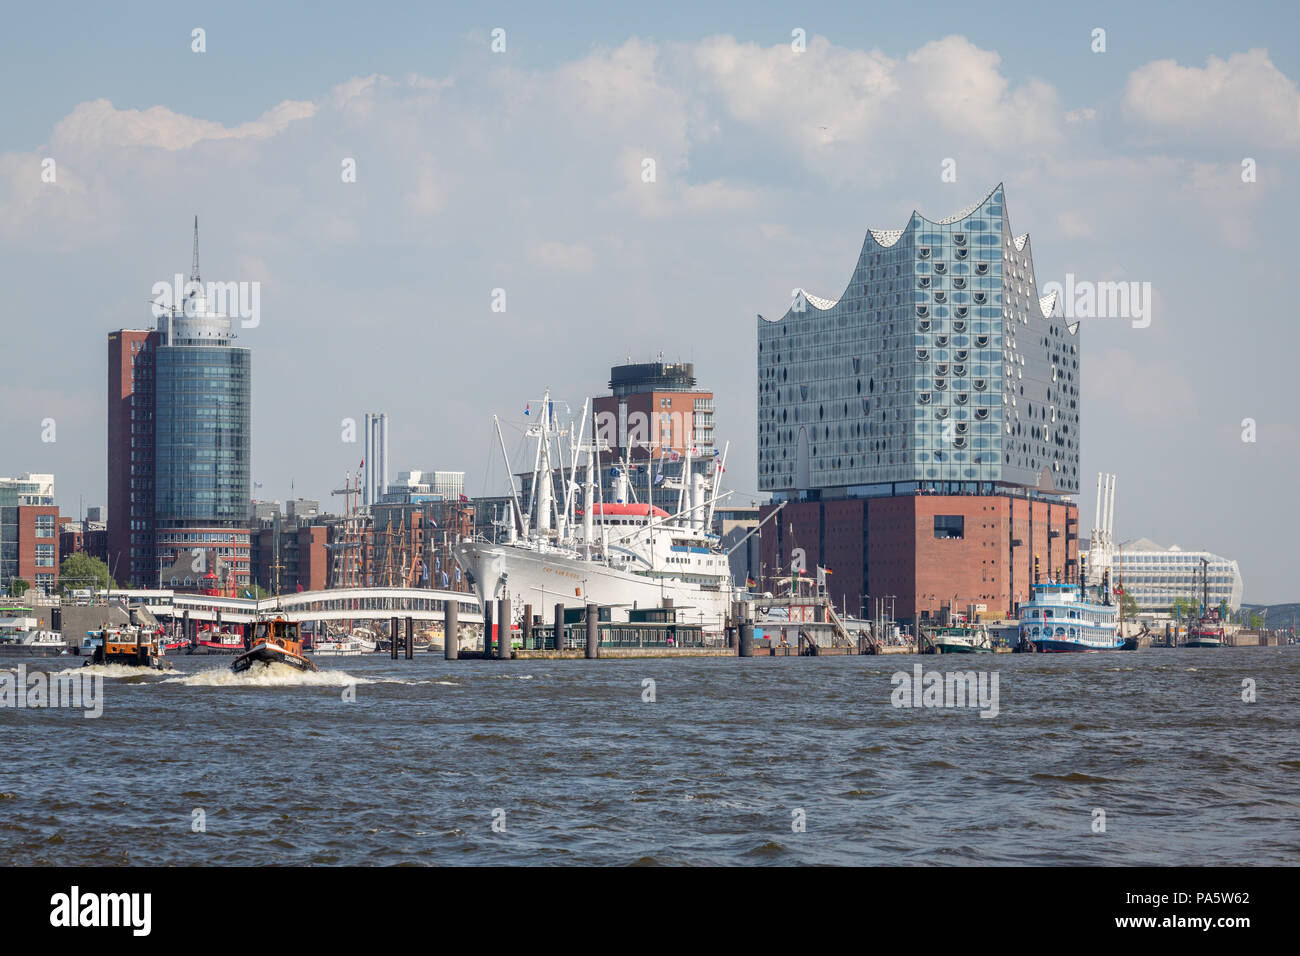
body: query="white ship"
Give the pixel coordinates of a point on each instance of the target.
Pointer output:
(606, 548)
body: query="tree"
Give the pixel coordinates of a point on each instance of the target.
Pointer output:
(81, 570)
(18, 587)
(1129, 605)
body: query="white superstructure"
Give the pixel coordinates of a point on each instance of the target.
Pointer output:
(588, 544)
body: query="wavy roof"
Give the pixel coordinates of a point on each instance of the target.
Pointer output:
(884, 238)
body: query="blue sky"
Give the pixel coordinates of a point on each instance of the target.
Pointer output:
(519, 170)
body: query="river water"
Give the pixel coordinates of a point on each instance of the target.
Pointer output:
(762, 761)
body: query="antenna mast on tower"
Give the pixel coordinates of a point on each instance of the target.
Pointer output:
(194, 270)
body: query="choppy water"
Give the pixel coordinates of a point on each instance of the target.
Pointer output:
(412, 771)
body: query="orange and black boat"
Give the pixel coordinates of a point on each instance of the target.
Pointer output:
(131, 647)
(274, 641)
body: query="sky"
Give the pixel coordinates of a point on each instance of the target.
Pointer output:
(779, 134)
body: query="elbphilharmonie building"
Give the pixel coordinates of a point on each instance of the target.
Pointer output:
(923, 427)
(938, 364)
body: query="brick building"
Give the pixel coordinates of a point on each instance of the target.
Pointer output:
(923, 429)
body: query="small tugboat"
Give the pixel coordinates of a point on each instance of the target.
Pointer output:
(130, 647)
(276, 641)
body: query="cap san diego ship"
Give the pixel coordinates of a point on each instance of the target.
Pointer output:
(588, 544)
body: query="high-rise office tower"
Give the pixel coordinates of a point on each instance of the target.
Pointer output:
(179, 443)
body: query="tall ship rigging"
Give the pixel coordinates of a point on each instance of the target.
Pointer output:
(586, 543)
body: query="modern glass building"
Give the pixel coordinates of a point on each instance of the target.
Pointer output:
(938, 364)
(202, 438)
(922, 429)
(1157, 576)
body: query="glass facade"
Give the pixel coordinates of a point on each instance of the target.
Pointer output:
(202, 436)
(1157, 577)
(939, 363)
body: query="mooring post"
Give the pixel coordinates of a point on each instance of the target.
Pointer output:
(503, 629)
(450, 630)
(410, 638)
(527, 632)
(559, 627)
(392, 637)
(745, 628)
(487, 626)
(593, 632)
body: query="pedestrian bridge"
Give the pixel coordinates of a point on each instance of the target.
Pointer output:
(338, 604)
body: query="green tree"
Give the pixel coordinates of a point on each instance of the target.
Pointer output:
(81, 570)
(18, 587)
(1129, 605)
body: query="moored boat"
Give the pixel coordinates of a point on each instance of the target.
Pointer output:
(1058, 618)
(591, 544)
(274, 641)
(961, 639)
(1208, 629)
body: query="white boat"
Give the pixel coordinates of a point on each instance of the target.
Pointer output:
(619, 553)
(23, 633)
(360, 641)
(961, 639)
(40, 638)
(338, 647)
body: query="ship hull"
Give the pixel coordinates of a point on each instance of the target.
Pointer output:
(270, 654)
(1072, 647)
(546, 579)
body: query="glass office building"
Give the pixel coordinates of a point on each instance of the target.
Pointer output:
(1157, 576)
(202, 438)
(939, 365)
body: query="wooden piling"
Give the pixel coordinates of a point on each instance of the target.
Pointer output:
(410, 638)
(392, 637)
(527, 632)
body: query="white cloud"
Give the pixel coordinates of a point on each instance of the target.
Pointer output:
(1245, 99)
(98, 124)
(849, 114)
